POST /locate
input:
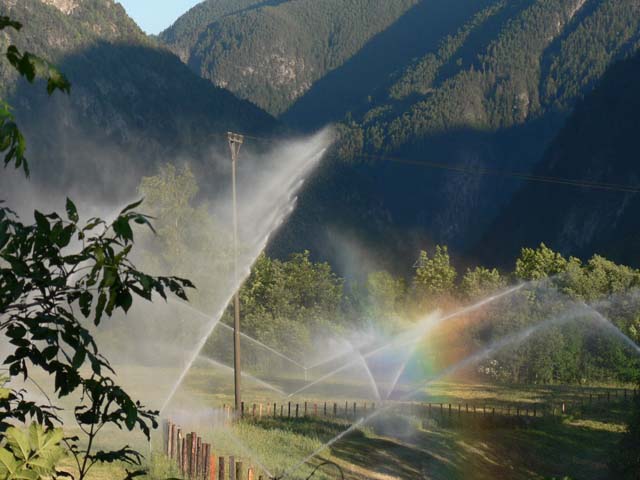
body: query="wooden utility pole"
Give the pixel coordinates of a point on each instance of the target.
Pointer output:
(235, 142)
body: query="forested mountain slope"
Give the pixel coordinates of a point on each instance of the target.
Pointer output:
(272, 52)
(598, 144)
(132, 104)
(491, 95)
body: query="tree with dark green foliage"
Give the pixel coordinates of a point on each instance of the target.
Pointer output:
(286, 303)
(435, 276)
(58, 276)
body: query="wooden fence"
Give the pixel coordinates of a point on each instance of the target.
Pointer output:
(348, 410)
(197, 461)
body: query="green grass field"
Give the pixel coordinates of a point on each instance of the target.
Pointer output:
(402, 444)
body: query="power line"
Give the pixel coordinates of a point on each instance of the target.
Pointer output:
(614, 187)
(506, 173)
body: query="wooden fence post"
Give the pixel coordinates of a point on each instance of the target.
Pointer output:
(315, 409)
(305, 408)
(167, 437)
(253, 412)
(184, 465)
(221, 466)
(335, 409)
(193, 461)
(232, 468)
(281, 410)
(325, 409)
(459, 410)
(197, 464)
(346, 409)
(241, 409)
(449, 410)
(239, 475)
(260, 412)
(204, 461)
(297, 407)
(354, 410)
(250, 474)
(169, 445)
(212, 467)
(289, 410)
(179, 447)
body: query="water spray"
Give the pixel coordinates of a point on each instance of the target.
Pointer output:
(487, 352)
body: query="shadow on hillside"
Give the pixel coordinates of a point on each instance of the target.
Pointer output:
(356, 213)
(131, 108)
(375, 67)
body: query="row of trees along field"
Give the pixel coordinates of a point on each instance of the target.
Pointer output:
(287, 303)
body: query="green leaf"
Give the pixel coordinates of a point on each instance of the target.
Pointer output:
(18, 442)
(8, 463)
(131, 206)
(86, 299)
(42, 222)
(110, 275)
(72, 211)
(102, 301)
(123, 229)
(57, 81)
(124, 300)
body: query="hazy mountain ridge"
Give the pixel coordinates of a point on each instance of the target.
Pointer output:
(130, 97)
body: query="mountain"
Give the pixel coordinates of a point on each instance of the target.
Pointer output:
(598, 144)
(489, 95)
(426, 95)
(272, 52)
(133, 103)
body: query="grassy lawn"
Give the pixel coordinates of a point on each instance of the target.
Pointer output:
(396, 445)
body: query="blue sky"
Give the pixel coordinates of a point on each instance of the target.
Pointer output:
(153, 16)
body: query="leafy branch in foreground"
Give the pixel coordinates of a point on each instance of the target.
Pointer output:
(52, 273)
(56, 275)
(29, 66)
